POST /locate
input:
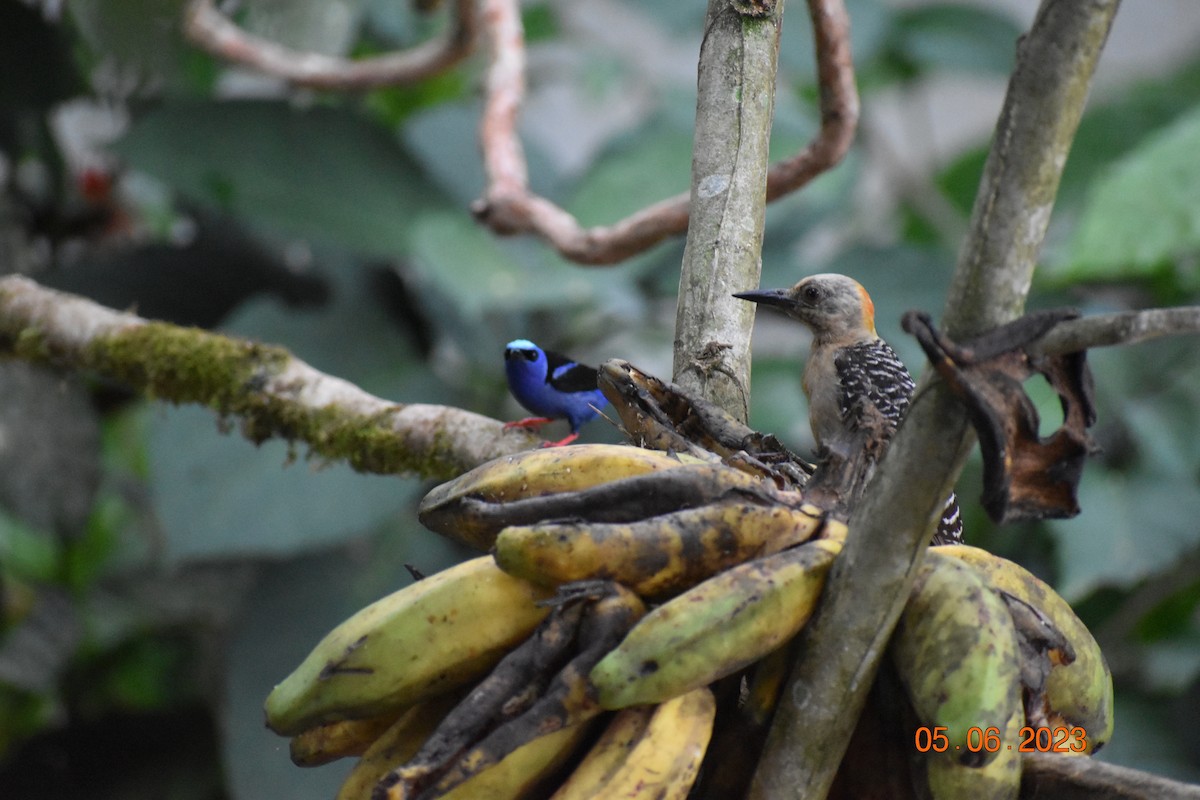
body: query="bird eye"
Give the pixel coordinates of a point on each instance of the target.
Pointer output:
(811, 293)
(530, 355)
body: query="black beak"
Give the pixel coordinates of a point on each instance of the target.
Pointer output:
(770, 297)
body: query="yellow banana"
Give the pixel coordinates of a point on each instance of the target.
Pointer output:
(655, 557)
(532, 473)
(439, 633)
(330, 741)
(608, 754)
(955, 650)
(1078, 693)
(999, 779)
(715, 628)
(511, 778)
(661, 763)
(395, 745)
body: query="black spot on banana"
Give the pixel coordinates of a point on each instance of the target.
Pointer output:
(716, 628)
(955, 651)
(659, 556)
(1000, 779)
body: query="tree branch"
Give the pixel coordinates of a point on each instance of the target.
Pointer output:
(1124, 327)
(208, 28)
(735, 104)
(273, 393)
(872, 578)
(509, 208)
(1066, 778)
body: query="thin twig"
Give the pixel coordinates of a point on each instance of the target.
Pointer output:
(274, 394)
(508, 207)
(210, 29)
(838, 98)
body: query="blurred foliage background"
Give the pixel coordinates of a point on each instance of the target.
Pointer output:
(159, 573)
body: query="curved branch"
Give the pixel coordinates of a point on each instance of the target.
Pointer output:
(208, 28)
(508, 207)
(273, 393)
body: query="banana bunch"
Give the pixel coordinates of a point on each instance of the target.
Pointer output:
(995, 663)
(623, 588)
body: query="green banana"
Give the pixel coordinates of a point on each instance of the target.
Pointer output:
(447, 509)
(1077, 693)
(955, 651)
(715, 628)
(1000, 779)
(437, 634)
(655, 557)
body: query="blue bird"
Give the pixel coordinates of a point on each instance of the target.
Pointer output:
(551, 386)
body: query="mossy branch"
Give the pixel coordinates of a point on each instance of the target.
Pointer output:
(272, 393)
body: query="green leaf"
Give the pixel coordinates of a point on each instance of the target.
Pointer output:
(320, 173)
(1130, 527)
(1143, 217)
(1153, 736)
(640, 170)
(28, 553)
(121, 34)
(956, 38)
(474, 272)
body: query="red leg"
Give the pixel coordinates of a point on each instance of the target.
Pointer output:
(565, 440)
(528, 422)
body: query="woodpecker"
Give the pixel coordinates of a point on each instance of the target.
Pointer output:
(551, 386)
(855, 383)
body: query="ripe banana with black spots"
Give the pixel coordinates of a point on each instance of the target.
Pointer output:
(330, 741)
(715, 628)
(608, 754)
(641, 754)
(620, 500)
(655, 557)
(529, 474)
(955, 651)
(398, 743)
(1078, 692)
(433, 636)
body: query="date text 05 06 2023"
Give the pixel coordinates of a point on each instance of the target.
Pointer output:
(1032, 740)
